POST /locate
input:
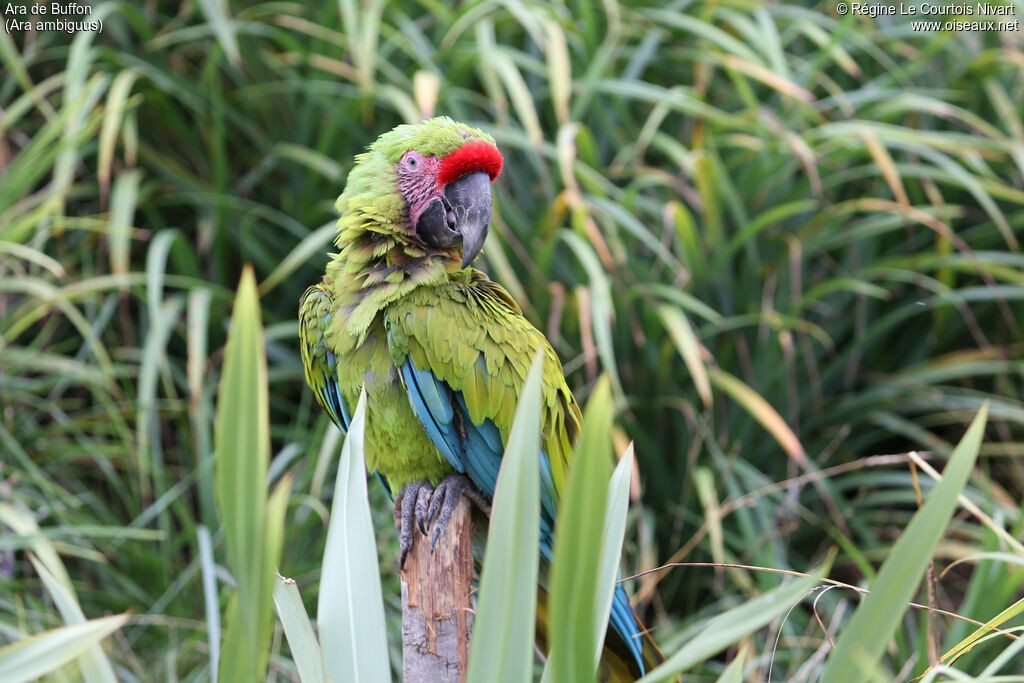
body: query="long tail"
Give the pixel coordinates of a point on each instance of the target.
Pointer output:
(629, 651)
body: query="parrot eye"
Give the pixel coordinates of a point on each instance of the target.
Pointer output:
(412, 161)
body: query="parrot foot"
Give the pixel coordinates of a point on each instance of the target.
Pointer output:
(446, 497)
(420, 504)
(411, 506)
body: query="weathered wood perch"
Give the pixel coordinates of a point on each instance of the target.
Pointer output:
(437, 616)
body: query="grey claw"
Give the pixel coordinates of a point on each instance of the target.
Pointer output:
(418, 504)
(409, 509)
(436, 501)
(437, 534)
(446, 498)
(423, 496)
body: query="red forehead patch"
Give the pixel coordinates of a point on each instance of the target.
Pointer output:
(473, 156)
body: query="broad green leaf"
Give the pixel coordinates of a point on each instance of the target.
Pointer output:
(506, 607)
(299, 631)
(576, 565)
(95, 666)
(38, 655)
(862, 643)
(242, 445)
(350, 606)
(240, 657)
(242, 438)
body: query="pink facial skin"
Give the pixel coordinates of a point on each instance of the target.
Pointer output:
(417, 182)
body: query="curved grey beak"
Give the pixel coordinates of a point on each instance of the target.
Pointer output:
(469, 198)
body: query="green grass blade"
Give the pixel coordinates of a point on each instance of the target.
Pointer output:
(682, 334)
(218, 14)
(38, 655)
(601, 305)
(862, 643)
(312, 245)
(575, 569)
(1003, 658)
(506, 607)
(117, 100)
(277, 507)
(299, 631)
(23, 524)
(95, 666)
(734, 672)
(760, 410)
(209, 567)
(122, 214)
(729, 627)
(965, 645)
(350, 606)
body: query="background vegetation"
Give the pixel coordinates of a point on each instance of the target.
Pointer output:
(791, 239)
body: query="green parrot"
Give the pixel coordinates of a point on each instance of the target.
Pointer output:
(441, 350)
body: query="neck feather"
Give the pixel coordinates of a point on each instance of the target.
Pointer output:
(380, 262)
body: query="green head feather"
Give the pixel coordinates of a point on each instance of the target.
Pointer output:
(373, 178)
(381, 258)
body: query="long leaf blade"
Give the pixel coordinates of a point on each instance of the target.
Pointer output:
(38, 655)
(95, 666)
(242, 443)
(611, 545)
(504, 624)
(350, 607)
(578, 541)
(299, 631)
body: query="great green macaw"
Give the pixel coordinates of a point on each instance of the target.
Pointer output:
(441, 350)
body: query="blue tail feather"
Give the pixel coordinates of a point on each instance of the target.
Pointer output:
(476, 450)
(624, 622)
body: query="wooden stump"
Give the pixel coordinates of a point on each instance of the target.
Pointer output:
(437, 616)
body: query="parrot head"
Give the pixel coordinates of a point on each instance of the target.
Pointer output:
(449, 197)
(433, 183)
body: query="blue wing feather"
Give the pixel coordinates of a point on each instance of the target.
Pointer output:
(330, 396)
(478, 453)
(441, 432)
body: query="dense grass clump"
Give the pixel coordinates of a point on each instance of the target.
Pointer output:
(790, 239)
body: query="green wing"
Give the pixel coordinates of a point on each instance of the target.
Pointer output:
(318, 358)
(464, 349)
